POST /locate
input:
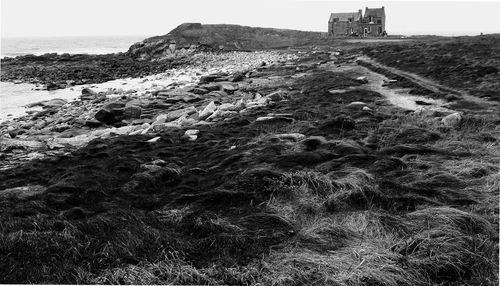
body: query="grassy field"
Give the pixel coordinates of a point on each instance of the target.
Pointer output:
(340, 196)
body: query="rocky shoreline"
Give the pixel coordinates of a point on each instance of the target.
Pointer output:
(56, 71)
(212, 87)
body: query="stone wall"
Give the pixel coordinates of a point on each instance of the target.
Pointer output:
(340, 29)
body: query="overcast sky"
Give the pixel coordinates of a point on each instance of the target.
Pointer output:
(23, 18)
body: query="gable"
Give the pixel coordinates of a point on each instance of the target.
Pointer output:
(374, 12)
(344, 17)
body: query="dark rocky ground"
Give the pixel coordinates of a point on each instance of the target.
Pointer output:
(55, 71)
(330, 188)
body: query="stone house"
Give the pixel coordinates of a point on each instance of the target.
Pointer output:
(371, 24)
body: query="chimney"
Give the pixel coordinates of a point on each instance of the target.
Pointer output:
(382, 7)
(360, 11)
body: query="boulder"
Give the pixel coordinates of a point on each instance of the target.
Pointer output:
(191, 134)
(207, 111)
(111, 113)
(452, 121)
(133, 108)
(176, 114)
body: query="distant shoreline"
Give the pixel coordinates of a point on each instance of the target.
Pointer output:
(20, 46)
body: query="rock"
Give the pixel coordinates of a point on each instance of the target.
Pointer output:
(421, 102)
(200, 91)
(88, 94)
(93, 123)
(229, 88)
(362, 79)
(52, 86)
(111, 113)
(52, 103)
(211, 87)
(165, 126)
(153, 140)
(213, 77)
(207, 111)
(176, 114)
(191, 134)
(453, 120)
(357, 105)
(237, 77)
(277, 95)
(88, 91)
(183, 121)
(214, 115)
(133, 108)
(217, 93)
(262, 101)
(12, 131)
(132, 112)
(227, 106)
(272, 120)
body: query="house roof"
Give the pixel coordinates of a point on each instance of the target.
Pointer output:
(344, 17)
(374, 12)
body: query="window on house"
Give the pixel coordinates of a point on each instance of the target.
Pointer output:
(350, 20)
(379, 21)
(335, 20)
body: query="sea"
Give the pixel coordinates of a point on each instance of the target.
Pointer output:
(14, 97)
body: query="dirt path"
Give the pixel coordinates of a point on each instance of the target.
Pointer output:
(487, 106)
(400, 97)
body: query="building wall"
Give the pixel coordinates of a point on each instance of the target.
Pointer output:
(339, 29)
(373, 29)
